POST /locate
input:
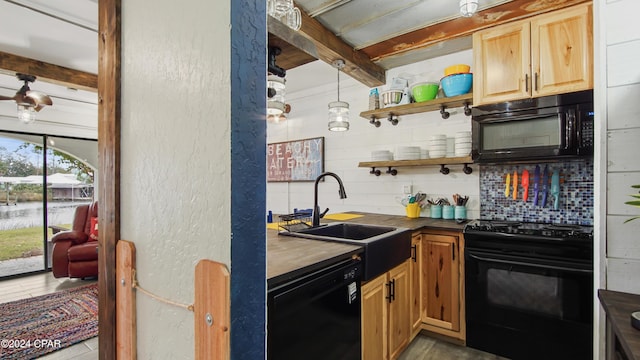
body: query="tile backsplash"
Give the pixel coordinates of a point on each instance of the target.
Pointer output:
(576, 193)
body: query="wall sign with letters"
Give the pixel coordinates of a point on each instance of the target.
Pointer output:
(296, 160)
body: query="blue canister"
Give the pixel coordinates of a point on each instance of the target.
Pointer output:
(447, 212)
(460, 212)
(436, 211)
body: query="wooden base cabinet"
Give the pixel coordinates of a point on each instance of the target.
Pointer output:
(544, 55)
(442, 283)
(415, 270)
(385, 314)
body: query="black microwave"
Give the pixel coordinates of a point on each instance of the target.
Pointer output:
(544, 128)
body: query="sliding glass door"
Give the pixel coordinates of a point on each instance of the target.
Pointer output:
(42, 180)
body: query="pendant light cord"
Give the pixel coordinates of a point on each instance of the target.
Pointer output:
(338, 83)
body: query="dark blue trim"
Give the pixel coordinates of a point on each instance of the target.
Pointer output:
(248, 178)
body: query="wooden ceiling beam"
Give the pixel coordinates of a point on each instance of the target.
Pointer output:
(316, 40)
(11, 64)
(461, 26)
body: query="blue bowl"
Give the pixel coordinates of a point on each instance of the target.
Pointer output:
(456, 84)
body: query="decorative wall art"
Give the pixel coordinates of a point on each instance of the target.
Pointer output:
(295, 160)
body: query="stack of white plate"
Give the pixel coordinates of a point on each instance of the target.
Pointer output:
(424, 153)
(407, 153)
(437, 146)
(463, 143)
(381, 155)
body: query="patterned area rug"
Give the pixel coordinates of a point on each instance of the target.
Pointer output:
(35, 326)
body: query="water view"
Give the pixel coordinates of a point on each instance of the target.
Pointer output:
(69, 165)
(21, 234)
(30, 214)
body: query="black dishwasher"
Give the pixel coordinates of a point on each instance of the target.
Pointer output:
(316, 316)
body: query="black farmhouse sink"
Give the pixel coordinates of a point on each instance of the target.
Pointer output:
(384, 246)
(349, 231)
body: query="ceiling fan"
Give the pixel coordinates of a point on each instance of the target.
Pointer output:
(29, 101)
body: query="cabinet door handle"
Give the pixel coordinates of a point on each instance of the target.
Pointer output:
(453, 252)
(393, 290)
(414, 253)
(526, 82)
(389, 296)
(535, 81)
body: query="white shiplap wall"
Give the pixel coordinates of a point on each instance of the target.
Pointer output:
(343, 151)
(622, 49)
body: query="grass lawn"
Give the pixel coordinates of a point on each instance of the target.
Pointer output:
(21, 242)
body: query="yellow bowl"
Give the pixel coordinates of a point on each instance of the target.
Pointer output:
(456, 69)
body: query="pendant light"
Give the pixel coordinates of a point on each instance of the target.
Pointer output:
(338, 110)
(275, 94)
(468, 7)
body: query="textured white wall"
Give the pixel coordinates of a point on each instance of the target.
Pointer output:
(175, 169)
(344, 150)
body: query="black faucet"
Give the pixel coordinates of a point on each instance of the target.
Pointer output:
(316, 209)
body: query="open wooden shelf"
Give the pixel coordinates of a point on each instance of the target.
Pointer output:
(421, 162)
(442, 162)
(420, 107)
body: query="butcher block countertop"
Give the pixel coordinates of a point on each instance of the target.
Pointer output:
(289, 257)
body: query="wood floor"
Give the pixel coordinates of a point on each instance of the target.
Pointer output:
(427, 348)
(45, 283)
(421, 348)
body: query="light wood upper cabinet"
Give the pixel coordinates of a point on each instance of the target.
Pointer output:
(441, 301)
(385, 314)
(562, 51)
(544, 55)
(501, 61)
(415, 270)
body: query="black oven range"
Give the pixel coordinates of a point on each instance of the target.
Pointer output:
(528, 289)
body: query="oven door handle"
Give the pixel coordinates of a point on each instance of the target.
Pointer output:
(510, 262)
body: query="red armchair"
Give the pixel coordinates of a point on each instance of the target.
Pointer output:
(75, 251)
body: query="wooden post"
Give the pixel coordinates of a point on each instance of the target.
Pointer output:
(212, 307)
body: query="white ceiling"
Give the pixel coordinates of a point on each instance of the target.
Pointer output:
(59, 32)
